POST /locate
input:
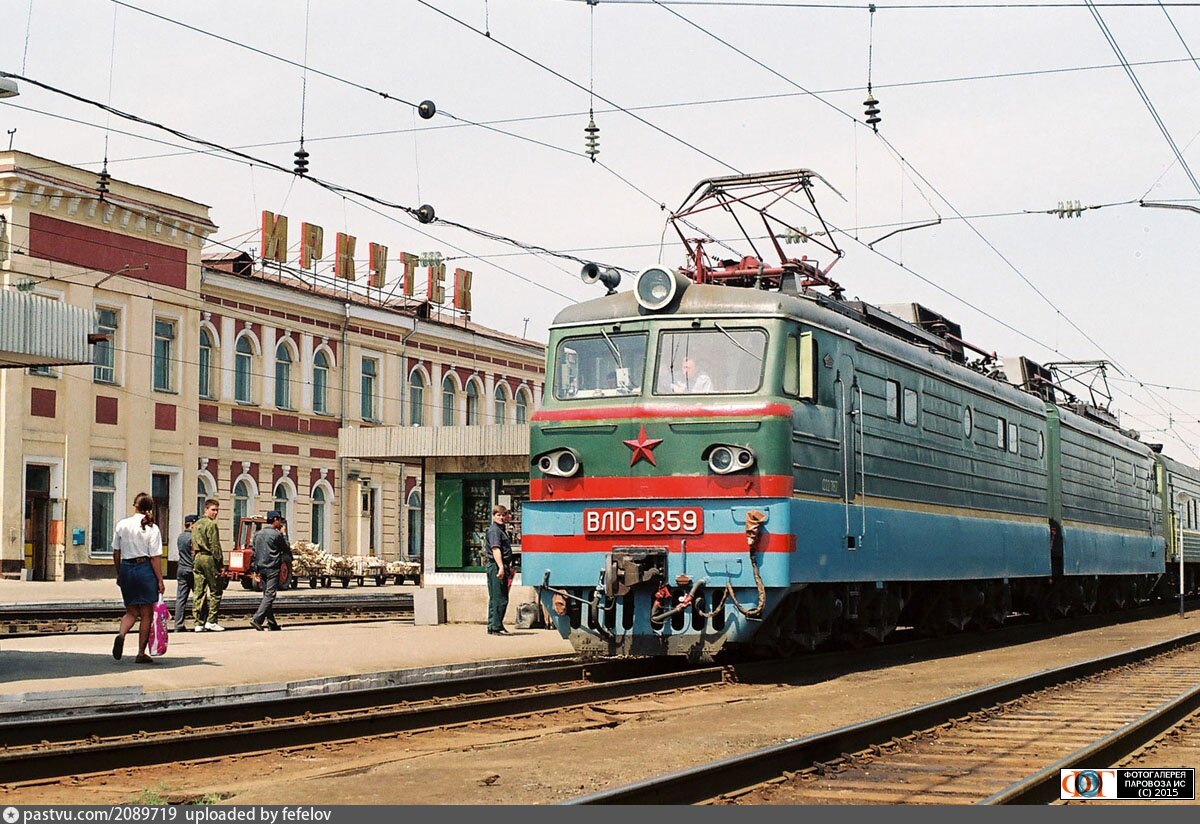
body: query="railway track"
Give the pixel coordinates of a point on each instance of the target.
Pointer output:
(50, 748)
(33, 620)
(1003, 744)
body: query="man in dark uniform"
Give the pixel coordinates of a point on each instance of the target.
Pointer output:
(499, 569)
(271, 551)
(183, 572)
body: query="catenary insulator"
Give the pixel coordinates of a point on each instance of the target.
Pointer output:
(591, 139)
(426, 109)
(873, 118)
(301, 161)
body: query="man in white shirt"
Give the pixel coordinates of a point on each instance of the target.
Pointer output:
(695, 381)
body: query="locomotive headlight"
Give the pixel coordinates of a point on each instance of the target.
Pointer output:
(656, 287)
(562, 463)
(724, 459)
(720, 460)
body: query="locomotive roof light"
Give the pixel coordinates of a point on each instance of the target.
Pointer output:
(657, 287)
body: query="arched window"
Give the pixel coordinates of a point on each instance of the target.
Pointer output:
(472, 403)
(243, 371)
(416, 520)
(320, 383)
(205, 489)
(416, 398)
(501, 403)
(522, 405)
(320, 516)
(449, 398)
(283, 499)
(283, 376)
(243, 504)
(206, 364)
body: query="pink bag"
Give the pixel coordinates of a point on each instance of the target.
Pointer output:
(158, 629)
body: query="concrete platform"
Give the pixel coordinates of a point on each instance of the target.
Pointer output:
(68, 664)
(57, 592)
(463, 603)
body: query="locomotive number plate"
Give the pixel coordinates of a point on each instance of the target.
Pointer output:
(644, 521)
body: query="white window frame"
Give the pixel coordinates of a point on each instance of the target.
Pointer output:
(115, 344)
(174, 361)
(120, 501)
(327, 527)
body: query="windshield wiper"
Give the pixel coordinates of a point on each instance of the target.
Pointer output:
(733, 340)
(616, 353)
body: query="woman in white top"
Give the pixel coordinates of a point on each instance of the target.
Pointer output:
(137, 554)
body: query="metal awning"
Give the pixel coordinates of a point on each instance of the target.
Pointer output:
(398, 443)
(38, 331)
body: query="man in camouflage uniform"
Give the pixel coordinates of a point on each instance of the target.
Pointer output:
(207, 563)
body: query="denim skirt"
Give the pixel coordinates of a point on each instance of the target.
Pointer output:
(139, 585)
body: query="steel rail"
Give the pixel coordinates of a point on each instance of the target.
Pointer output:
(159, 736)
(708, 781)
(1042, 787)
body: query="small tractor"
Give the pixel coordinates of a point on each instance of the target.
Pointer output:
(241, 558)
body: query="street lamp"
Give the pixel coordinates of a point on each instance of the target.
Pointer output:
(1181, 498)
(8, 87)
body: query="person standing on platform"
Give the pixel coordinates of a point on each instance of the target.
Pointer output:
(137, 554)
(183, 572)
(207, 564)
(271, 554)
(499, 569)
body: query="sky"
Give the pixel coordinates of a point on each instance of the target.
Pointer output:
(992, 117)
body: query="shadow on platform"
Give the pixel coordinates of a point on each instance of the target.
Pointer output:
(45, 665)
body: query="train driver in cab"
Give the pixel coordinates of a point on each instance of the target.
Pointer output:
(695, 380)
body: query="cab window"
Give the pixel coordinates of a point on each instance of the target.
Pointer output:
(721, 360)
(600, 366)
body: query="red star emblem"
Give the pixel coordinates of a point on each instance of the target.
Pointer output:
(643, 447)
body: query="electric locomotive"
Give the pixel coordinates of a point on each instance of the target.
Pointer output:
(727, 457)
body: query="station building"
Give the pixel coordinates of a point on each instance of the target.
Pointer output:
(232, 377)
